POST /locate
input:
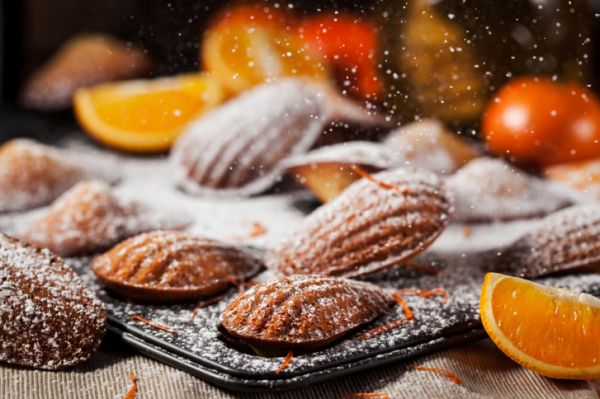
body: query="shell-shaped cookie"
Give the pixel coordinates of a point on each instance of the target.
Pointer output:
(327, 171)
(301, 313)
(82, 61)
(375, 224)
(566, 240)
(238, 148)
(361, 153)
(90, 218)
(428, 144)
(34, 174)
(49, 318)
(488, 189)
(170, 266)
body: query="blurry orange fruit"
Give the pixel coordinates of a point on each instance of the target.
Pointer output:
(248, 45)
(552, 331)
(145, 115)
(537, 121)
(350, 45)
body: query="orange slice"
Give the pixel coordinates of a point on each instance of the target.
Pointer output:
(145, 115)
(248, 46)
(552, 331)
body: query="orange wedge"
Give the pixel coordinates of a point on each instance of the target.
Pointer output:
(552, 331)
(145, 115)
(250, 45)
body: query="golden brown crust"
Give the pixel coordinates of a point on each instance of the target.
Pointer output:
(302, 313)
(169, 266)
(371, 226)
(90, 218)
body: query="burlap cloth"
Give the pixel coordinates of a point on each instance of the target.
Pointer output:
(485, 370)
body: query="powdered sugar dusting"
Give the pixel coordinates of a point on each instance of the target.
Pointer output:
(368, 227)
(228, 219)
(429, 145)
(49, 318)
(169, 266)
(89, 218)
(361, 153)
(33, 174)
(568, 239)
(238, 148)
(489, 189)
(303, 310)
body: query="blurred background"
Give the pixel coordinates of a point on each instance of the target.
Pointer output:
(468, 51)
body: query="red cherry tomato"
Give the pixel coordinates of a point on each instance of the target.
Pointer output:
(536, 121)
(350, 46)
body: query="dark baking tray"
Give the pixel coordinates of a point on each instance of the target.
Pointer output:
(196, 348)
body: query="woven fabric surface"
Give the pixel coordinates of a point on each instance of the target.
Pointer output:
(486, 372)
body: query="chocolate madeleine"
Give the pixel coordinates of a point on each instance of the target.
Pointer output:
(377, 223)
(301, 313)
(90, 218)
(488, 189)
(428, 144)
(33, 174)
(169, 266)
(49, 318)
(568, 240)
(82, 61)
(238, 149)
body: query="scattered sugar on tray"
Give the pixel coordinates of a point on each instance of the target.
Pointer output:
(461, 275)
(511, 194)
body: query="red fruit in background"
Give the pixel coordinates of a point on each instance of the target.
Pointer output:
(536, 121)
(522, 117)
(350, 46)
(580, 138)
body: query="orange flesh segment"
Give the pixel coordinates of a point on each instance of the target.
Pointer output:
(148, 112)
(560, 331)
(242, 54)
(145, 115)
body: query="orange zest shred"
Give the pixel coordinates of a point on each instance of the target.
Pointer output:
(286, 362)
(239, 283)
(258, 229)
(381, 329)
(133, 390)
(205, 303)
(407, 311)
(467, 231)
(401, 302)
(233, 281)
(367, 395)
(435, 292)
(425, 294)
(363, 173)
(421, 267)
(453, 377)
(153, 324)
